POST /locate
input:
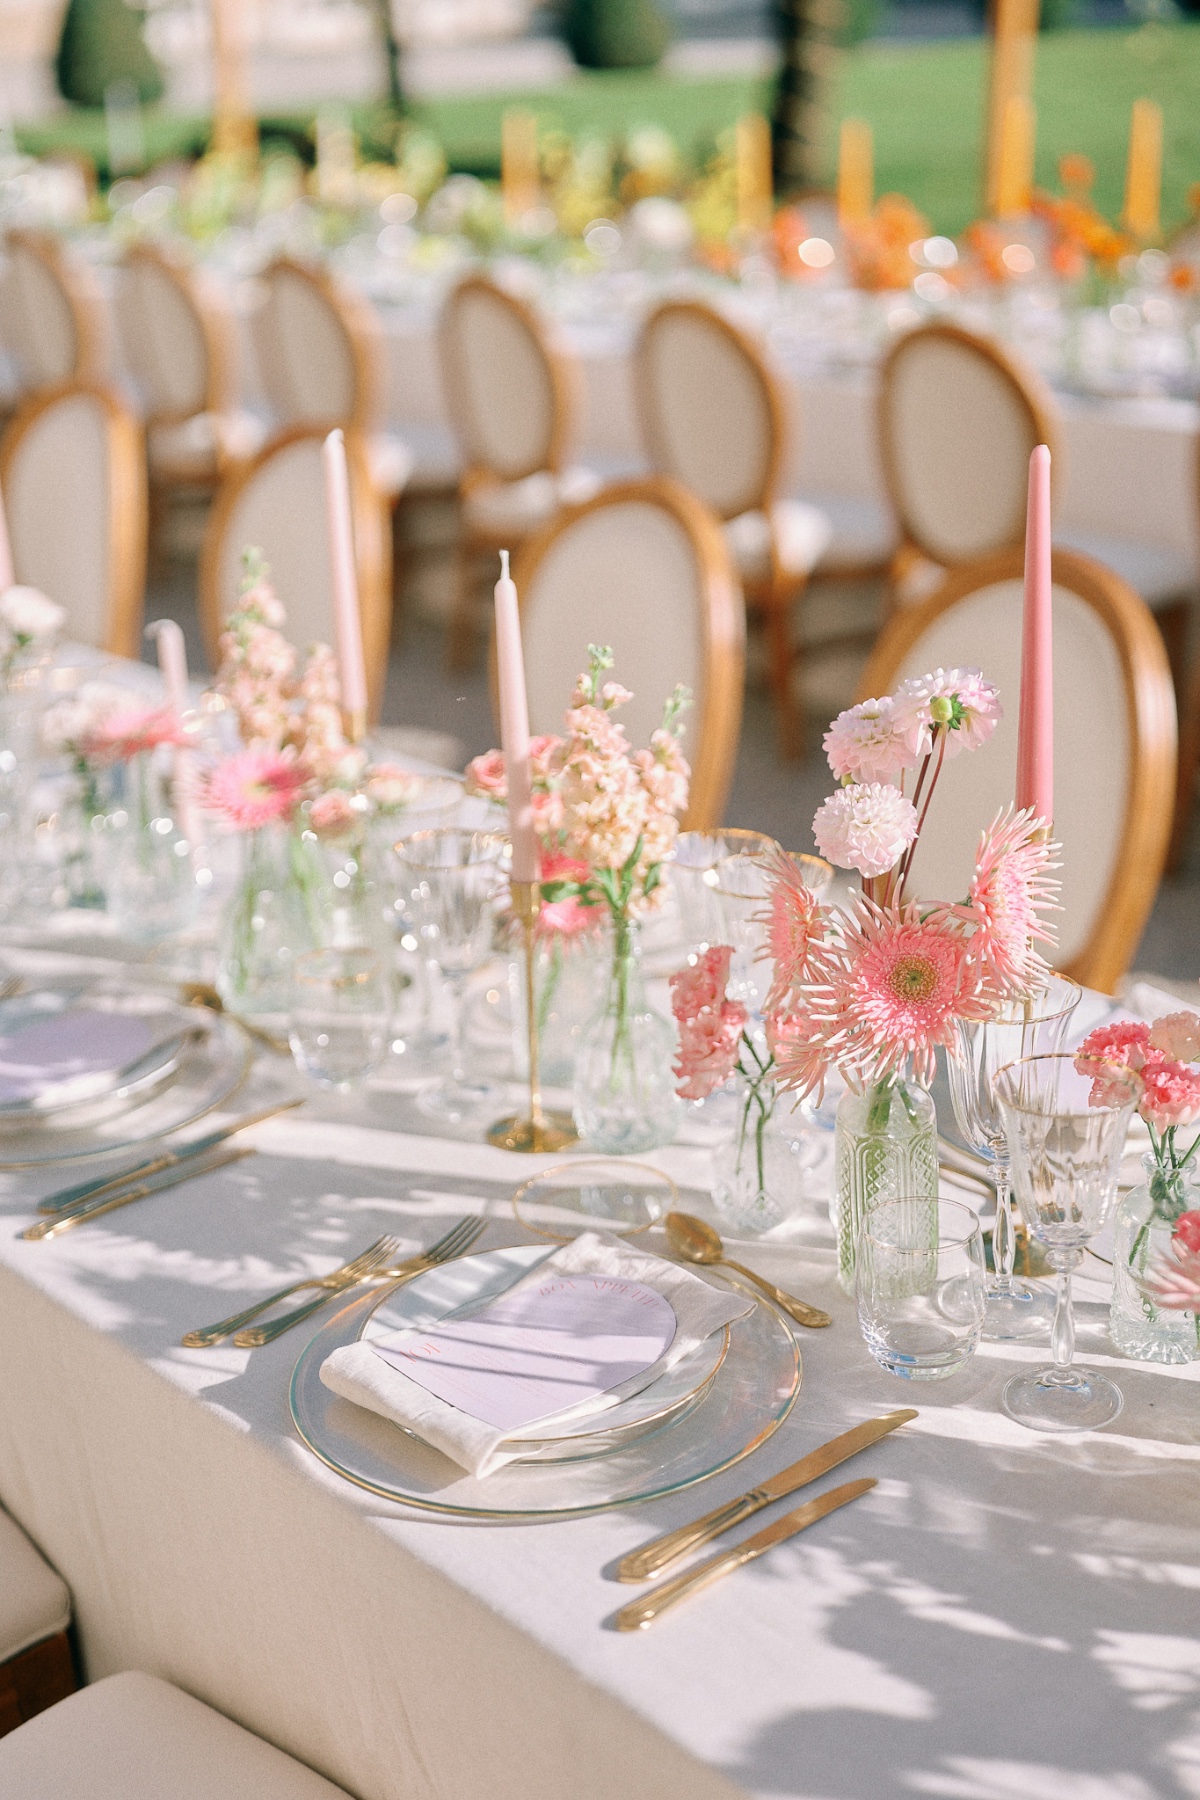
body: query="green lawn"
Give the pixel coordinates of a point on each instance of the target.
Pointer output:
(924, 102)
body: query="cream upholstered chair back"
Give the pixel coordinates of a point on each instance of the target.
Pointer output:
(175, 342)
(277, 504)
(958, 419)
(50, 312)
(710, 410)
(1114, 744)
(318, 348)
(642, 567)
(507, 389)
(73, 476)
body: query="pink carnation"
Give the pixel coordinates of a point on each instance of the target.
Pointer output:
(568, 916)
(389, 786)
(255, 788)
(710, 1026)
(1187, 1231)
(1125, 1041)
(485, 776)
(1177, 1037)
(864, 744)
(1171, 1095)
(333, 813)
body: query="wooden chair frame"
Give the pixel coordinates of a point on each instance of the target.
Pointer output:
(712, 737)
(128, 503)
(1035, 398)
(775, 594)
(476, 541)
(372, 551)
(364, 338)
(83, 297)
(1150, 704)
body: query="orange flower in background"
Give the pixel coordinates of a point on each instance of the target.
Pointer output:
(1077, 173)
(878, 247)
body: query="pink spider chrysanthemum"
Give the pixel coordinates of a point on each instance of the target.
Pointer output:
(1010, 888)
(903, 983)
(795, 929)
(1173, 1281)
(255, 788)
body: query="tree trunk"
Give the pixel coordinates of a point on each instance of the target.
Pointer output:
(809, 34)
(391, 49)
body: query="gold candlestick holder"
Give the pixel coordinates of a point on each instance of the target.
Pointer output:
(537, 1131)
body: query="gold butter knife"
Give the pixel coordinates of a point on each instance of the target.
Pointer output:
(92, 1209)
(652, 1558)
(640, 1613)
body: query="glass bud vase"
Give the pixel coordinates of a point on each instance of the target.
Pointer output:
(567, 972)
(757, 1172)
(150, 878)
(269, 920)
(625, 1098)
(885, 1148)
(1145, 1220)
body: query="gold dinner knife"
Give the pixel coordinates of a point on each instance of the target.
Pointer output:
(640, 1613)
(157, 1184)
(652, 1558)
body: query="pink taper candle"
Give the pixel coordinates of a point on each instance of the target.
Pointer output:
(514, 728)
(1035, 733)
(172, 663)
(7, 576)
(347, 615)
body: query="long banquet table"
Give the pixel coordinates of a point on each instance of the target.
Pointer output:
(1006, 1617)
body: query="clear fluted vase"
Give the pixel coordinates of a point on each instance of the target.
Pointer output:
(756, 1172)
(885, 1148)
(625, 1100)
(150, 877)
(1145, 1222)
(271, 918)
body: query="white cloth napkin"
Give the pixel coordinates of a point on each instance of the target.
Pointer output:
(359, 1373)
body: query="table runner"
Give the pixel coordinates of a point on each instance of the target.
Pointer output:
(1004, 1616)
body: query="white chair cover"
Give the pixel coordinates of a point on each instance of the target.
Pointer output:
(304, 352)
(958, 433)
(58, 496)
(1092, 750)
(34, 1602)
(624, 574)
(708, 412)
(163, 339)
(37, 322)
(499, 384)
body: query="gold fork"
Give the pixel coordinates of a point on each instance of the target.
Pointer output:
(455, 1243)
(374, 1256)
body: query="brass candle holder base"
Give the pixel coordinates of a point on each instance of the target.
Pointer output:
(552, 1131)
(537, 1131)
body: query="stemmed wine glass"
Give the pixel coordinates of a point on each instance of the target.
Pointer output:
(1065, 1118)
(452, 878)
(693, 876)
(1032, 1026)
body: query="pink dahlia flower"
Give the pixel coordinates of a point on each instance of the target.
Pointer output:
(255, 788)
(960, 700)
(867, 827)
(1010, 888)
(710, 1026)
(1177, 1036)
(864, 744)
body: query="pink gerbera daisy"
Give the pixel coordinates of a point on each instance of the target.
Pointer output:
(255, 788)
(905, 983)
(1011, 885)
(795, 928)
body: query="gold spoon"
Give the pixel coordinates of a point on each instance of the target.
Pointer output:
(697, 1242)
(202, 993)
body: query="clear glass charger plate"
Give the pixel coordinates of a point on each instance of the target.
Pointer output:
(746, 1401)
(205, 1073)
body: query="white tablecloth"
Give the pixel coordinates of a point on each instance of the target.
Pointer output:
(1006, 1617)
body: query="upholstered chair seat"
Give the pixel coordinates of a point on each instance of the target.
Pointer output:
(35, 1611)
(133, 1737)
(801, 535)
(199, 448)
(504, 509)
(391, 462)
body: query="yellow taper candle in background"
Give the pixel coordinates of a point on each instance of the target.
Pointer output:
(1015, 25)
(520, 183)
(1014, 180)
(856, 170)
(1143, 171)
(235, 130)
(755, 187)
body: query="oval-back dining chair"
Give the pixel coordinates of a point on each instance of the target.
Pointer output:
(276, 503)
(642, 567)
(73, 476)
(51, 313)
(958, 418)
(1114, 744)
(510, 392)
(319, 349)
(713, 418)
